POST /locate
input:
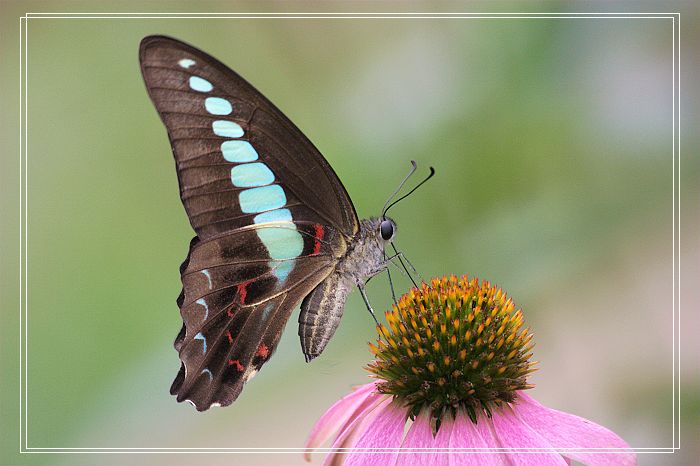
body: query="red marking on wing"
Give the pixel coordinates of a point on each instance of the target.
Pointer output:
(229, 312)
(229, 336)
(242, 292)
(319, 234)
(237, 363)
(263, 351)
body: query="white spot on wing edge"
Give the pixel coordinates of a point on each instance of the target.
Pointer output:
(199, 336)
(186, 63)
(249, 374)
(201, 302)
(208, 275)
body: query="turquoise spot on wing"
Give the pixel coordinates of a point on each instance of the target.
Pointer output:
(266, 311)
(238, 151)
(201, 302)
(208, 372)
(278, 215)
(217, 106)
(282, 270)
(251, 174)
(199, 84)
(282, 242)
(199, 336)
(186, 63)
(227, 129)
(260, 199)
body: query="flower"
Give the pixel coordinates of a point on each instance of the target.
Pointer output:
(453, 362)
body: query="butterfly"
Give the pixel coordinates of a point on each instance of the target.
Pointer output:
(274, 225)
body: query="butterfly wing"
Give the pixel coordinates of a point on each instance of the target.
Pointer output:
(270, 214)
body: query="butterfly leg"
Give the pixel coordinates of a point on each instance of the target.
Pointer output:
(391, 286)
(401, 257)
(377, 272)
(379, 269)
(391, 283)
(369, 306)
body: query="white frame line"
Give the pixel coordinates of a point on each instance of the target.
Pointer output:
(24, 217)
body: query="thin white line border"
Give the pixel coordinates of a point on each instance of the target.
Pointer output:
(23, 204)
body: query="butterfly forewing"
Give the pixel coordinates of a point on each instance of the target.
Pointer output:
(271, 217)
(216, 122)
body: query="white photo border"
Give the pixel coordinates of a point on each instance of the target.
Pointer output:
(23, 229)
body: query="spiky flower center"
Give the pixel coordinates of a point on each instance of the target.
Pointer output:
(453, 343)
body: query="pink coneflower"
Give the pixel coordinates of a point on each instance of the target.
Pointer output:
(454, 360)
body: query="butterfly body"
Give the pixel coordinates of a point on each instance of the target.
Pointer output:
(322, 309)
(274, 224)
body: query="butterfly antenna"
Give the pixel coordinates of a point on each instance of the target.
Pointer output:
(432, 172)
(414, 167)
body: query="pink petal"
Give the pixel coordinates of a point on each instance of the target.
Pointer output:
(567, 431)
(420, 435)
(385, 431)
(337, 458)
(484, 427)
(512, 432)
(442, 440)
(335, 417)
(347, 437)
(466, 435)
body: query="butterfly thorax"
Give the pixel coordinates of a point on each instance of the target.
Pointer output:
(365, 255)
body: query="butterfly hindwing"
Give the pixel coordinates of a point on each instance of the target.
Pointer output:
(234, 308)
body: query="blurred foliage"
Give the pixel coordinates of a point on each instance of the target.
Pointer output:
(552, 145)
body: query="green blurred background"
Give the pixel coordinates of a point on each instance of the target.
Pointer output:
(552, 144)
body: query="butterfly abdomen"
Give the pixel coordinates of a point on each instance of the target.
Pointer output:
(320, 314)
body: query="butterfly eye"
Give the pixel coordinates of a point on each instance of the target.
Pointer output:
(387, 229)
